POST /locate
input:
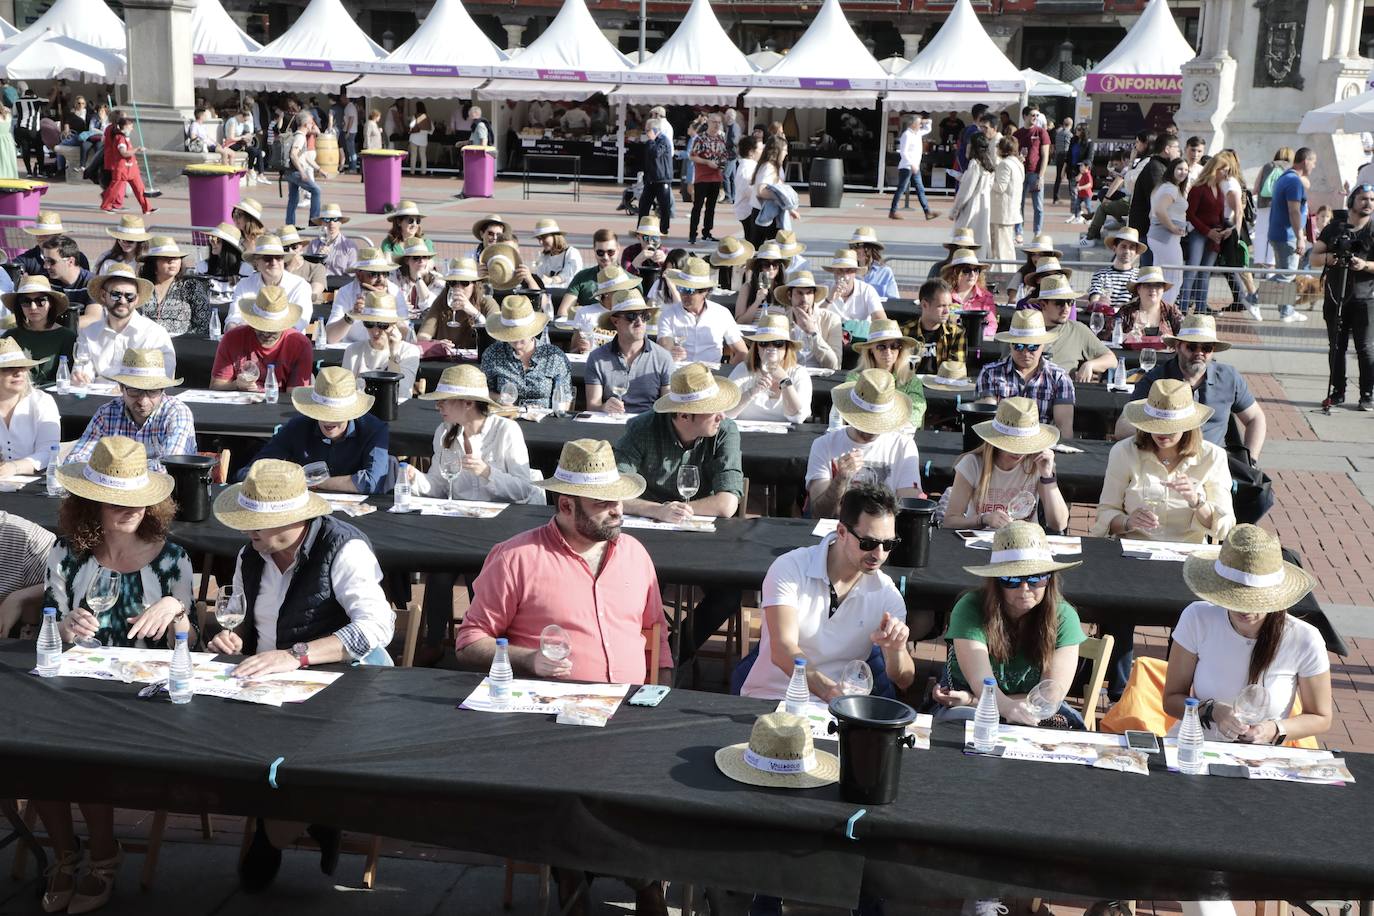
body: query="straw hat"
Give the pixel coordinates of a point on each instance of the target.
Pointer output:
(462, 269)
(138, 368)
(788, 244)
(799, 279)
(1027, 327)
(881, 329)
(12, 356)
(288, 235)
(1151, 274)
(270, 310)
(613, 279)
(249, 207)
(731, 252)
(962, 257)
(117, 474)
(845, 259)
(227, 233)
(1199, 329)
(416, 248)
(1050, 265)
(768, 251)
(406, 208)
(1056, 286)
(271, 496)
(695, 274)
(501, 260)
(36, 285)
(130, 229)
(962, 238)
(587, 467)
(1248, 574)
(330, 211)
(866, 235)
(952, 375)
(872, 404)
(118, 270)
(481, 225)
(518, 320)
(376, 307)
(162, 246)
(626, 300)
(1042, 244)
(545, 227)
(333, 398)
(49, 223)
(779, 755)
(1016, 428)
(774, 327)
(374, 260)
(648, 225)
(465, 381)
(1020, 549)
(1170, 408)
(266, 245)
(1127, 235)
(694, 389)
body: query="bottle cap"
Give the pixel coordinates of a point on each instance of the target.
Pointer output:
(49, 612)
(989, 682)
(800, 662)
(181, 637)
(1190, 702)
(501, 641)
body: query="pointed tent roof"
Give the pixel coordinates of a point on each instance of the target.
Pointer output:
(1153, 53)
(960, 64)
(447, 57)
(571, 60)
(894, 64)
(216, 41)
(90, 22)
(1042, 84)
(7, 31)
(763, 59)
(697, 58)
(321, 51)
(828, 57)
(50, 56)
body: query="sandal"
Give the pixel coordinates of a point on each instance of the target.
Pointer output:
(96, 886)
(63, 871)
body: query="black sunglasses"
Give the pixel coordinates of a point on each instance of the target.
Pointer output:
(34, 300)
(770, 344)
(1201, 348)
(120, 297)
(605, 252)
(1015, 581)
(867, 544)
(633, 318)
(1024, 348)
(374, 325)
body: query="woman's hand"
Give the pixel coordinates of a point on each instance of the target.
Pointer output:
(581, 344)
(1142, 520)
(1224, 717)
(1267, 732)
(477, 466)
(152, 623)
(226, 642)
(951, 698)
(80, 623)
(1185, 487)
(1020, 714)
(995, 519)
(1043, 464)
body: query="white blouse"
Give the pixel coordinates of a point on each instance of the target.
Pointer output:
(33, 430)
(559, 268)
(760, 404)
(502, 446)
(360, 357)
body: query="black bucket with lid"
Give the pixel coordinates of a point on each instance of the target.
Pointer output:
(190, 484)
(915, 518)
(971, 415)
(872, 732)
(385, 388)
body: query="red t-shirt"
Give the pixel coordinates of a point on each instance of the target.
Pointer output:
(1085, 185)
(293, 354)
(1034, 142)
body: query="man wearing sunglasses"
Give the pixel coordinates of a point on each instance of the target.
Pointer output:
(630, 359)
(1025, 373)
(582, 288)
(832, 604)
(62, 262)
(122, 327)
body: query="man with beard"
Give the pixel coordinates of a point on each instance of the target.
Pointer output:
(121, 292)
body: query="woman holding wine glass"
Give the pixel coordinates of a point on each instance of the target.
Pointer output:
(114, 578)
(773, 383)
(458, 311)
(765, 273)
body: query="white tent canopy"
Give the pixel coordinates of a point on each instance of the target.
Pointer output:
(447, 57)
(90, 22)
(51, 57)
(1352, 115)
(1149, 59)
(828, 67)
(320, 52)
(571, 60)
(763, 59)
(216, 41)
(894, 64)
(1042, 84)
(7, 31)
(961, 65)
(699, 64)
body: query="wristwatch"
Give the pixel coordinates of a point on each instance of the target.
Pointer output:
(1280, 735)
(300, 653)
(1053, 478)
(348, 319)
(785, 383)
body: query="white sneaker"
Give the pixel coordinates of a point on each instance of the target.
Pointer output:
(1086, 242)
(992, 906)
(1254, 311)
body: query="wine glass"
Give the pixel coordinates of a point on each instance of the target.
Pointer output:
(249, 371)
(1043, 700)
(1251, 705)
(507, 394)
(451, 467)
(620, 384)
(857, 679)
(229, 608)
(803, 340)
(1022, 505)
(101, 595)
(688, 481)
(1148, 358)
(1155, 496)
(1097, 321)
(554, 643)
(316, 473)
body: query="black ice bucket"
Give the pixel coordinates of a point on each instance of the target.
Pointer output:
(969, 414)
(385, 389)
(915, 517)
(872, 731)
(190, 484)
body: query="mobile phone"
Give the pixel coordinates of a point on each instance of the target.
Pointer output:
(649, 695)
(1233, 770)
(1142, 741)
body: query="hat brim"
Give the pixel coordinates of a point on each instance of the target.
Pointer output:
(866, 344)
(730, 761)
(480, 226)
(1135, 414)
(232, 515)
(306, 406)
(24, 363)
(448, 396)
(1201, 577)
(954, 266)
(1066, 271)
(376, 267)
(1020, 568)
(511, 333)
(773, 337)
(955, 246)
(97, 287)
(143, 382)
(867, 421)
(783, 294)
(1052, 252)
(680, 279)
(125, 235)
(743, 256)
(226, 239)
(1007, 338)
(726, 398)
(254, 255)
(946, 384)
(1219, 346)
(462, 278)
(627, 283)
(1066, 295)
(832, 267)
(401, 214)
(375, 319)
(629, 486)
(246, 211)
(158, 488)
(61, 300)
(874, 243)
(40, 231)
(319, 220)
(250, 318)
(163, 254)
(791, 251)
(1113, 240)
(1046, 437)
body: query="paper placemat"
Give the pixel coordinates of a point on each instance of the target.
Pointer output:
(206, 396)
(698, 523)
(1055, 745)
(610, 419)
(550, 697)
(1171, 551)
(818, 718)
(1060, 545)
(457, 508)
(1263, 761)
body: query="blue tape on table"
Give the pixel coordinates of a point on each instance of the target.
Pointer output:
(854, 819)
(272, 772)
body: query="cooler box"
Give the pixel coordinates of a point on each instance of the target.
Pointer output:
(214, 189)
(479, 170)
(381, 179)
(19, 197)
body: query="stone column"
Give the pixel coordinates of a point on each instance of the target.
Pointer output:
(514, 35)
(911, 44)
(160, 79)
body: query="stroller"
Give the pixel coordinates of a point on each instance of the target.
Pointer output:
(630, 196)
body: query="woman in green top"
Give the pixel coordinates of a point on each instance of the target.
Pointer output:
(888, 348)
(40, 313)
(1015, 629)
(407, 223)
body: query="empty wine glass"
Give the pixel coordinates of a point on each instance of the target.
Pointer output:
(316, 473)
(101, 595)
(451, 467)
(688, 481)
(249, 371)
(1043, 700)
(1022, 505)
(803, 340)
(1251, 705)
(554, 643)
(1097, 321)
(507, 394)
(856, 679)
(1148, 358)
(229, 608)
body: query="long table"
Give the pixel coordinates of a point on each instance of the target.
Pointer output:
(386, 751)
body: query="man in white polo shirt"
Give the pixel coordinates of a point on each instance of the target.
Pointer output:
(697, 330)
(122, 327)
(832, 604)
(269, 259)
(852, 298)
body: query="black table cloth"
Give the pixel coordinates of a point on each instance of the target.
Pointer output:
(386, 751)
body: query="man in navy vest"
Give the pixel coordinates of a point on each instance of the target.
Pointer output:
(312, 594)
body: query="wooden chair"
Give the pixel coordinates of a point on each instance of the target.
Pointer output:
(736, 627)
(1097, 649)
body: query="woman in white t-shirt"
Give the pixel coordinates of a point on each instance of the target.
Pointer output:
(420, 129)
(750, 149)
(1169, 224)
(1010, 475)
(1239, 634)
(773, 385)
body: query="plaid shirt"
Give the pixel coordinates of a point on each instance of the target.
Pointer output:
(171, 430)
(1050, 385)
(948, 344)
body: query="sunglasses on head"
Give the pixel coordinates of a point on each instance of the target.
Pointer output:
(1034, 581)
(1025, 348)
(375, 325)
(867, 544)
(1201, 348)
(120, 297)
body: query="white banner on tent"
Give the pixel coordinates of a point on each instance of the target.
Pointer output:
(909, 85)
(567, 76)
(804, 82)
(683, 79)
(403, 69)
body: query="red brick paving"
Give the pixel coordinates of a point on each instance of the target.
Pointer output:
(1284, 420)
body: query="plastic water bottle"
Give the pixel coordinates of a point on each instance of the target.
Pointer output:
(269, 384)
(1190, 741)
(64, 376)
(499, 677)
(216, 329)
(400, 494)
(49, 645)
(1117, 333)
(179, 675)
(985, 719)
(798, 694)
(320, 340)
(1121, 372)
(53, 485)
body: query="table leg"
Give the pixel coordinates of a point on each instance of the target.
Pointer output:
(20, 831)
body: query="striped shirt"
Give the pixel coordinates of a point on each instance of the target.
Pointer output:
(1048, 386)
(25, 547)
(1112, 285)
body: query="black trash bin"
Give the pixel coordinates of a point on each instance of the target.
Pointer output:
(385, 390)
(915, 516)
(190, 484)
(969, 416)
(872, 731)
(827, 183)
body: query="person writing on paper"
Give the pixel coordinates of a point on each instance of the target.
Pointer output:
(29, 422)
(143, 411)
(630, 372)
(386, 348)
(1010, 475)
(832, 604)
(773, 386)
(1239, 636)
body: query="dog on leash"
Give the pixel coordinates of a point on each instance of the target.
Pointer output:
(1309, 291)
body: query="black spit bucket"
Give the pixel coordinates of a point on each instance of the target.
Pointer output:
(914, 520)
(972, 321)
(969, 416)
(191, 484)
(385, 389)
(872, 731)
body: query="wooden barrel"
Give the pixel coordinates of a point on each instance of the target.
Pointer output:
(327, 153)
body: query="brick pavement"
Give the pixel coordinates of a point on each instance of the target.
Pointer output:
(1284, 420)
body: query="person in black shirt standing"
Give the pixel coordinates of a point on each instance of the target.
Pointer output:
(1345, 249)
(658, 174)
(28, 114)
(1165, 150)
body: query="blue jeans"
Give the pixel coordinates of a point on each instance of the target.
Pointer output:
(1285, 259)
(1031, 188)
(297, 181)
(1196, 253)
(350, 144)
(727, 179)
(909, 178)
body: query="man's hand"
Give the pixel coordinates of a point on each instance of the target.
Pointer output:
(227, 642)
(674, 512)
(547, 668)
(267, 663)
(804, 320)
(849, 464)
(891, 635)
(1084, 372)
(679, 352)
(613, 405)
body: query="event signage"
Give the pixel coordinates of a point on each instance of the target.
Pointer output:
(400, 68)
(812, 82)
(1133, 84)
(1016, 87)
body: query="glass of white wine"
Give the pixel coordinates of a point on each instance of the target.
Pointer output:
(249, 371)
(688, 481)
(1155, 496)
(508, 393)
(101, 595)
(1149, 357)
(229, 608)
(554, 643)
(1097, 321)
